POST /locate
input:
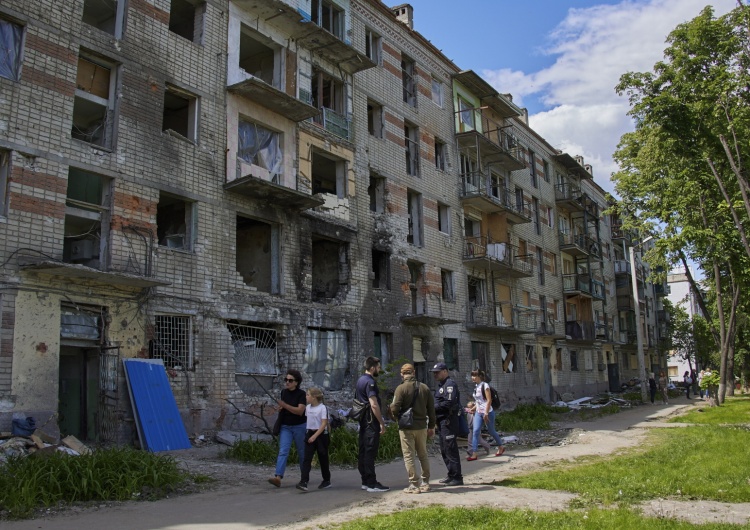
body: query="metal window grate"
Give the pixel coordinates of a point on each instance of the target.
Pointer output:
(171, 342)
(254, 349)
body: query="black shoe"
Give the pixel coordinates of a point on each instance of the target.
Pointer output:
(454, 482)
(302, 485)
(444, 480)
(324, 485)
(377, 487)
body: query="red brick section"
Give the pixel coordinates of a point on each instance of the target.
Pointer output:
(430, 213)
(397, 199)
(398, 140)
(395, 120)
(42, 181)
(395, 70)
(150, 10)
(37, 206)
(35, 42)
(393, 52)
(427, 146)
(50, 82)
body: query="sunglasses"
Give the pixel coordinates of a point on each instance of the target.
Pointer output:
(290, 380)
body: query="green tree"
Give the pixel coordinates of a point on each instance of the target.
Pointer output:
(681, 171)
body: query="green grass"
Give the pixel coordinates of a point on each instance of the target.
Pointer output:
(438, 518)
(525, 417)
(735, 410)
(709, 463)
(106, 475)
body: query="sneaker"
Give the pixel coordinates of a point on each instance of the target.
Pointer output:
(412, 489)
(364, 487)
(377, 487)
(444, 480)
(324, 485)
(425, 488)
(302, 485)
(275, 480)
(471, 458)
(500, 451)
(455, 482)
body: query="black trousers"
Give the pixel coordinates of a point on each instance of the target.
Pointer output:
(319, 446)
(369, 441)
(448, 432)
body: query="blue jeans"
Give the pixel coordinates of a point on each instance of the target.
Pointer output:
(288, 434)
(478, 422)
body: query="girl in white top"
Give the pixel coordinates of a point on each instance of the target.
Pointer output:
(317, 439)
(484, 415)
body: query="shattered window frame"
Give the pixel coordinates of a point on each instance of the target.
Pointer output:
(90, 93)
(260, 146)
(12, 36)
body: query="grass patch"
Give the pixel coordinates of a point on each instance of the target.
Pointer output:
(708, 463)
(528, 417)
(343, 451)
(116, 474)
(438, 518)
(734, 410)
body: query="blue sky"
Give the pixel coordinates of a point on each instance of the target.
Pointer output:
(561, 59)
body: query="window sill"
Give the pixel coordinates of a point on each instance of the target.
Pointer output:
(109, 150)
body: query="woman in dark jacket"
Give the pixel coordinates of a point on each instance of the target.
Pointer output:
(293, 423)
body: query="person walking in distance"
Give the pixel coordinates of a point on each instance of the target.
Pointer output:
(687, 381)
(447, 408)
(293, 423)
(411, 394)
(371, 425)
(484, 414)
(317, 439)
(664, 386)
(652, 386)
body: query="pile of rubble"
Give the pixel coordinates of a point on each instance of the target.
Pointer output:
(38, 444)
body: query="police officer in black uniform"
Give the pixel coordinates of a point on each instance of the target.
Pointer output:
(447, 407)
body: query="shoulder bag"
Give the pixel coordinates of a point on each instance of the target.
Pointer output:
(406, 418)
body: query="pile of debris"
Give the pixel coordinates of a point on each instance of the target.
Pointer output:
(38, 444)
(599, 401)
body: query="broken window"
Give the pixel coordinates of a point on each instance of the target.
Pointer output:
(440, 152)
(382, 344)
(532, 168)
(376, 191)
(87, 209)
(329, 95)
(508, 356)
(530, 357)
(416, 284)
(437, 92)
(545, 170)
(174, 222)
(258, 259)
(381, 268)
(172, 342)
(444, 218)
(414, 206)
(4, 181)
(254, 349)
(408, 78)
(480, 356)
(106, 15)
(258, 59)
(260, 147)
(328, 174)
(94, 103)
(465, 115)
(11, 40)
(373, 46)
(375, 125)
(180, 113)
(186, 19)
(574, 361)
(446, 279)
(450, 353)
(328, 16)
(330, 268)
(477, 291)
(540, 264)
(411, 144)
(327, 357)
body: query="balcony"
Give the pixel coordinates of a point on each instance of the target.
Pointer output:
(487, 140)
(572, 165)
(618, 234)
(578, 244)
(73, 272)
(580, 330)
(272, 193)
(502, 316)
(603, 333)
(334, 122)
(570, 196)
(307, 33)
(597, 289)
(481, 192)
(273, 99)
(662, 289)
(551, 328)
(482, 252)
(622, 267)
(577, 284)
(627, 336)
(625, 303)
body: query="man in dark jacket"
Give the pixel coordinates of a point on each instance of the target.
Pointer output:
(371, 426)
(417, 396)
(447, 408)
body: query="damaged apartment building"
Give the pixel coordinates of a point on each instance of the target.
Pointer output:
(241, 187)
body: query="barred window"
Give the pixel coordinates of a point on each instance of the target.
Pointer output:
(172, 341)
(254, 349)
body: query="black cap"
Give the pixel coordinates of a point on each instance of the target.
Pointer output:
(439, 367)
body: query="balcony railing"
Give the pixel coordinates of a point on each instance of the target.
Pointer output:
(333, 122)
(495, 142)
(622, 266)
(550, 326)
(498, 256)
(603, 332)
(577, 283)
(580, 329)
(625, 303)
(484, 193)
(578, 244)
(502, 315)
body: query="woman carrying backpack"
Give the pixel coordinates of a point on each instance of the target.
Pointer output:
(484, 415)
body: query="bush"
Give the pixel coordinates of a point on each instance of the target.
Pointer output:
(114, 474)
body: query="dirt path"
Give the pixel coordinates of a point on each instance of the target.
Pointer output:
(242, 499)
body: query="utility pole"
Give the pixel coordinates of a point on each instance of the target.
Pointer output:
(638, 328)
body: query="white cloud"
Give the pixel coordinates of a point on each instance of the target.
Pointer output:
(593, 48)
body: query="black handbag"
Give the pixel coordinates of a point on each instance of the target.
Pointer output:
(277, 426)
(406, 418)
(358, 409)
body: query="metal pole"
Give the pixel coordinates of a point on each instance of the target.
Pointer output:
(638, 330)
